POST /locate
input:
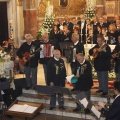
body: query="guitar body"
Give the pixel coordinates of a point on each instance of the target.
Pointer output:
(26, 54)
(95, 54)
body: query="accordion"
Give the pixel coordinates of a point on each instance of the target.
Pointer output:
(46, 50)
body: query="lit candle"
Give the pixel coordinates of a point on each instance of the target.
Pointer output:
(86, 29)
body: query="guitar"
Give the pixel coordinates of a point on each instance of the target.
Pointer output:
(27, 56)
(95, 54)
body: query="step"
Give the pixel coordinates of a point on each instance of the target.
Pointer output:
(33, 96)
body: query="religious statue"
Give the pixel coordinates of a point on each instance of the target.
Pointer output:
(49, 9)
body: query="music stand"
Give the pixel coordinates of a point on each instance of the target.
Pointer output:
(46, 90)
(85, 103)
(4, 84)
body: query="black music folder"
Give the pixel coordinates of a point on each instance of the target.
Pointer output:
(47, 90)
(85, 103)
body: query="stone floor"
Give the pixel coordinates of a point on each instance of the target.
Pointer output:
(43, 117)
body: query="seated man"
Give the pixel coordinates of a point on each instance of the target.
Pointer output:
(113, 112)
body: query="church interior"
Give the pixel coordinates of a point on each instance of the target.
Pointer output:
(89, 19)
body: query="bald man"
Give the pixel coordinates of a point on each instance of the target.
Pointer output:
(56, 74)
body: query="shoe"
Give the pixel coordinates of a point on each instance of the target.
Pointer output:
(51, 108)
(27, 88)
(73, 89)
(76, 110)
(87, 111)
(61, 108)
(104, 93)
(98, 91)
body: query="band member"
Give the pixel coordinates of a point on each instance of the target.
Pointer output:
(101, 54)
(30, 66)
(116, 57)
(112, 113)
(46, 52)
(56, 74)
(75, 49)
(83, 72)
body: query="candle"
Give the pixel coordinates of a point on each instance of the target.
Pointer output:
(86, 29)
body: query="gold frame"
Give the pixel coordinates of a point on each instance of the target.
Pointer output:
(63, 6)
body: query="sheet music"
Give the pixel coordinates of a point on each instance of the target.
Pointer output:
(23, 108)
(30, 109)
(18, 108)
(69, 78)
(95, 111)
(84, 102)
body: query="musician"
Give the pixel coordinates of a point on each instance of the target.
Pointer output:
(83, 71)
(101, 63)
(75, 49)
(113, 113)
(56, 75)
(43, 58)
(116, 57)
(31, 66)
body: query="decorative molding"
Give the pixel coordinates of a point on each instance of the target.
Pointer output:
(73, 7)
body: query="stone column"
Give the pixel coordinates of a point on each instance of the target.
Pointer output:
(20, 20)
(30, 17)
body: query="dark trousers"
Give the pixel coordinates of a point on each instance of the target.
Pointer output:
(53, 100)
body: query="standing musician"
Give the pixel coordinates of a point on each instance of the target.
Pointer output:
(116, 57)
(57, 75)
(101, 54)
(24, 52)
(75, 49)
(83, 72)
(46, 54)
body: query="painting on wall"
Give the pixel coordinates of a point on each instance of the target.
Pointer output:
(63, 3)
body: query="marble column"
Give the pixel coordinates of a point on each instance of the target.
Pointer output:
(30, 17)
(20, 21)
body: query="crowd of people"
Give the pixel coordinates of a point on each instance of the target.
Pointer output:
(98, 31)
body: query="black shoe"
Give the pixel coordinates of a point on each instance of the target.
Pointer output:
(73, 89)
(76, 110)
(98, 91)
(61, 108)
(104, 93)
(51, 108)
(87, 111)
(27, 88)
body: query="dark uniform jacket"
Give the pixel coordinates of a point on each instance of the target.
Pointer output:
(114, 110)
(85, 81)
(27, 48)
(56, 72)
(102, 61)
(117, 60)
(79, 49)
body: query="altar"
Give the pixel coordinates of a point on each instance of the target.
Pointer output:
(6, 69)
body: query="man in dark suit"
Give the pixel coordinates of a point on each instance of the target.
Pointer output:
(68, 23)
(83, 72)
(113, 113)
(82, 24)
(57, 75)
(75, 49)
